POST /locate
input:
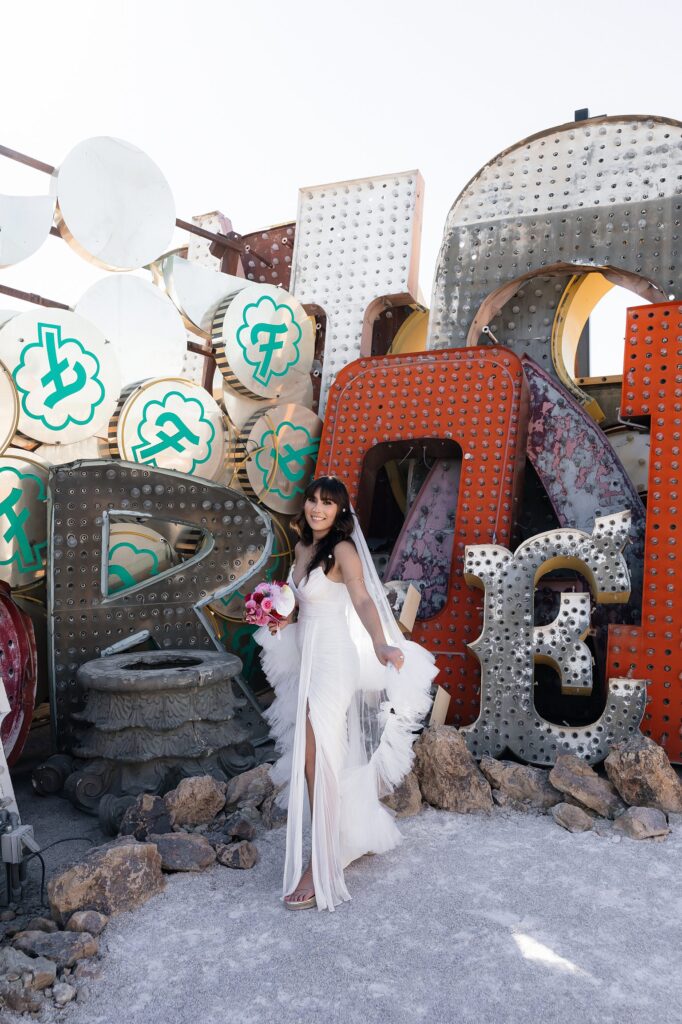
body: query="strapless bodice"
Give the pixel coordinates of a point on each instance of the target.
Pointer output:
(318, 595)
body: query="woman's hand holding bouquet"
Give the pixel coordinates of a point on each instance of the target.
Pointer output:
(271, 605)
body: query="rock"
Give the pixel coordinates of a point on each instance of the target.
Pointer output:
(521, 786)
(182, 852)
(196, 801)
(42, 972)
(237, 855)
(83, 993)
(147, 816)
(274, 816)
(642, 774)
(239, 826)
(63, 993)
(119, 876)
(572, 818)
(406, 799)
(41, 924)
(65, 948)
(448, 775)
(578, 779)
(250, 788)
(87, 921)
(7, 915)
(87, 971)
(16, 996)
(642, 823)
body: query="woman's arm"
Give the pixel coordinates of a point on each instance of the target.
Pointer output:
(350, 566)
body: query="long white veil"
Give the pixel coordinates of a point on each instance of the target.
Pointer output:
(389, 706)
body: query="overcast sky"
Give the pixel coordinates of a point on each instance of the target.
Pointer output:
(242, 104)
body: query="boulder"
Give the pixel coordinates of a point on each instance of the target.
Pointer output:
(41, 924)
(250, 788)
(448, 775)
(147, 816)
(15, 964)
(406, 799)
(237, 855)
(14, 995)
(642, 823)
(65, 948)
(239, 826)
(182, 852)
(119, 876)
(87, 921)
(274, 816)
(578, 779)
(642, 774)
(520, 786)
(572, 818)
(63, 993)
(196, 801)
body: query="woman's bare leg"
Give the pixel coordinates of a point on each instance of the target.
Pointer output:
(304, 890)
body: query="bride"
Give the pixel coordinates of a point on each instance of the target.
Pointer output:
(347, 702)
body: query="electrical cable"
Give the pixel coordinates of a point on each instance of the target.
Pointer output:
(39, 855)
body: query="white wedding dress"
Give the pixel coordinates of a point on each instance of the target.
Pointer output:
(364, 717)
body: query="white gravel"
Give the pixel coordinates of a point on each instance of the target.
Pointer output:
(500, 919)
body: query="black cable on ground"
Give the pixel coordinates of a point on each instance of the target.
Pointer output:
(39, 855)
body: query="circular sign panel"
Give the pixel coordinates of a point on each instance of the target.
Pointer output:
(142, 324)
(136, 553)
(239, 408)
(114, 206)
(171, 423)
(23, 517)
(281, 446)
(59, 454)
(25, 223)
(263, 341)
(64, 372)
(9, 408)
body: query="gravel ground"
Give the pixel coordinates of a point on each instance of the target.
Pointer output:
(505, 919)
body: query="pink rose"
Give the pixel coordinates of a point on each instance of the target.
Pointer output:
(266, 605)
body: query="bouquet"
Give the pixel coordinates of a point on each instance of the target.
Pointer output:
(269, 602)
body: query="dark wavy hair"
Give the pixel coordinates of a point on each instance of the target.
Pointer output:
(332, 489)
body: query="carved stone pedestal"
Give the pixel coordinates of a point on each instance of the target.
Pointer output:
(150, 719)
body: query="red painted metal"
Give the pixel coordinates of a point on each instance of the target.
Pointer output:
(476, 397)
(652, 387)
(19, 671)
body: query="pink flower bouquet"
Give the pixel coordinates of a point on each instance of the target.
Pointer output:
(269, 602)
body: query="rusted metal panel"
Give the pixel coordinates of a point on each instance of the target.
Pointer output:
(476, 397)
(582, 474)
(652, 388)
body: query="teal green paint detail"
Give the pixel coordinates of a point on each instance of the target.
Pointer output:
(51, 342)
(29, 557)
(291, 460)
(261, 340)
(125, 579)
(240, 642)
(179, 441)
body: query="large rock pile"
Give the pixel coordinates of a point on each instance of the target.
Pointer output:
(641, 787)
(200, 823)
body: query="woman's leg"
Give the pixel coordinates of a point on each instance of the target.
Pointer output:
(304, 890)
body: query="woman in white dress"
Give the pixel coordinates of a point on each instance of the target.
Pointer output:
(347, 703)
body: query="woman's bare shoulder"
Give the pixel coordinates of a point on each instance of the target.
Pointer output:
(345, 552)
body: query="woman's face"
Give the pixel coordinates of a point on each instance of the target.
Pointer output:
(320, 513)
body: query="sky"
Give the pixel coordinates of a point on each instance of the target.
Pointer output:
(242, 104)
